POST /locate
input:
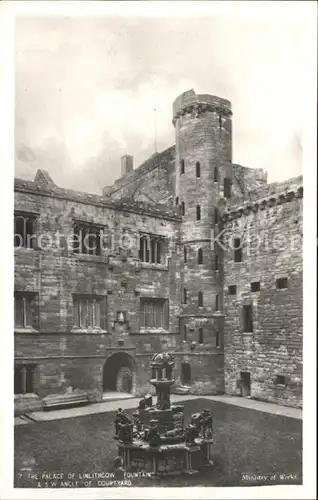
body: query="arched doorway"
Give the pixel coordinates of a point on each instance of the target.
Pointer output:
(185, 374)
(119, 373)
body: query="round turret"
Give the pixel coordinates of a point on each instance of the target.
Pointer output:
(203, 127)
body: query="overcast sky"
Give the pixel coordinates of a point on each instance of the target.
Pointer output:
(86, 90)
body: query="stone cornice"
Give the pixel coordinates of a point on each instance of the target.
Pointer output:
(158, 211)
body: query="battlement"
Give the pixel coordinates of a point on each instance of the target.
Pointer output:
(264, 196)
(190, 101)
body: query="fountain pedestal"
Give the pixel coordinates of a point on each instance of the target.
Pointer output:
(156, 440)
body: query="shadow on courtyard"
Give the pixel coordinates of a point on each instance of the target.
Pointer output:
(247, 444)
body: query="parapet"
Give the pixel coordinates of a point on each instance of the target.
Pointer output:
(268, 195)
(190, 101)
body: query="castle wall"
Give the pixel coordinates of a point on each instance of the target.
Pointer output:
(269, 221)
(209, 342)
(152, 181)
(65, 356)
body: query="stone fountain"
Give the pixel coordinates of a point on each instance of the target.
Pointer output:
(156, 440)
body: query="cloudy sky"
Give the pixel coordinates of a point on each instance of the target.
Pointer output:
(86, 90)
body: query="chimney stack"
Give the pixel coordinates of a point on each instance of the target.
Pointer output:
(127, 164)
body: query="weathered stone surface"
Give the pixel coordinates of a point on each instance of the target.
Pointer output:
(205, 339)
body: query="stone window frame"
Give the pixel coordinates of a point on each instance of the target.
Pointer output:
(280, 383)
(28, 369)
(281, 279)
(182, 167)
(237, 251)
(29, 302)
(198, 213)
(216, 174)
(101, 311)
(29, 229)
(182, 205)
(153, 251)
(245, 320)
(233, 289)
(218, 339)
(198, 170)
(227, 187)
(201, 335)
(90, 229)
(257, 286)
(217, 302)
(163, 313)
(185, 255)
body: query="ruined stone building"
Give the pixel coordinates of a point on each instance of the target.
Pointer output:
(188, 253)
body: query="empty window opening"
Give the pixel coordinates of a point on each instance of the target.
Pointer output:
(177, 200)
(217, 302)
(200, 299)
(216, 174)
(237, 250)
(281, 283)
(182, 169)
(200, 256)
(198, 169)
(245, 384)
(200, 335)
(255, 286)
(89, 312)
(185, 332)
(87, 239)
(185, 374)
(227, 188)
(220, 120)
(215, 266)
(182, 208)
(198, 212)
(25, 379)
(216, 216)
(217, 339)
(24, 231)
(232, 290)
(185, 296)
(154, 313)
(185, 255)
(280, 380)
(151, 249)
(26, 310)
(248, 318)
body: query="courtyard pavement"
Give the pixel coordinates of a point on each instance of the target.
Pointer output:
(128, 403)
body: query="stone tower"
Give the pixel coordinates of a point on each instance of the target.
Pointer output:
(203, 176)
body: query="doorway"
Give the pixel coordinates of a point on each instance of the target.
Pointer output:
(185, 374)
(119, 374)
(245, 384)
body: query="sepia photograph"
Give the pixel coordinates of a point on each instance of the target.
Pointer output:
(158, 247)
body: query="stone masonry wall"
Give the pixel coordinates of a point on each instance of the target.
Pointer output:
(67, 357)
(269, 221)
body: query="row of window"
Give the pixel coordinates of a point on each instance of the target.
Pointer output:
(89, 239)
(200, 299)
(201, 336)
(198, 211)
(90, 312)
(25, 374)
(215, 263)
(281, 284)
(216, 177)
